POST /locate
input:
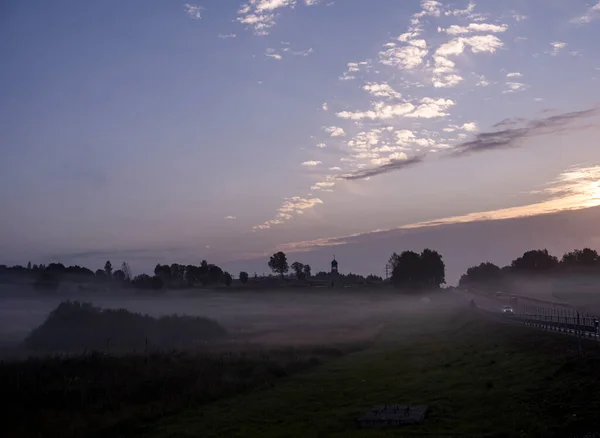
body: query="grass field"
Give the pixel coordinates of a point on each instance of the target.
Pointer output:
(481, 378)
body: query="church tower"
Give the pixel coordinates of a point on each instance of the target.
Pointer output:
(334, 272)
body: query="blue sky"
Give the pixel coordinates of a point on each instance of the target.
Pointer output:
(156, 131)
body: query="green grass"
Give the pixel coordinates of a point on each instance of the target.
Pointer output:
(102, 395)
(480, 378)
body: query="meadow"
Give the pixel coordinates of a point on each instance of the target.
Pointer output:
(308, 363)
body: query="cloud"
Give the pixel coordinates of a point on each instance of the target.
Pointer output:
(324, 186)
(516, 131)
(462, 12)
(474, 27)
(405, 57)
(514, 75)
(391, 166)
(557, 46)
(291, 206)
(477, 43)
(335, 169)
(482, 82)
(591, 14)
(260, 15)
(446, 81)
(428, 108)
(272, 53)
(514, 87)
(576, 188)
(381, 90)
(321, 145)
(312, 163)
(325, 107)
(194, 11)
(230, 217)
(227, 36)
(431, 108)
(335, 131)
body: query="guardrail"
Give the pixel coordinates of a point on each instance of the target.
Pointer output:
(583, 326)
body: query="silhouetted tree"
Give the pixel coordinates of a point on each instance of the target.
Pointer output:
(486, 275)
(144, 281)
(214, 274)
(307, 270)
(243, 277)
(227, 278)
(408, 271)
(29, 266)
(108, 268)
(580, 260)
(298, 268)
(164, 273)
(119, 276)
(434, 269)
(46, 280)
(393, 260)
(126, 270)
(416, 271)
(535, 261)
(278, 263)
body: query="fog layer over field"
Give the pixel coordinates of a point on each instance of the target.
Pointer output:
(281, 317)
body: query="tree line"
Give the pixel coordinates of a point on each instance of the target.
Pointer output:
(538, 262)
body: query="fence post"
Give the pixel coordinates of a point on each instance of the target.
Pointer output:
(579, 335)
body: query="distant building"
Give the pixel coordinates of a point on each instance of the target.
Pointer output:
(334, 272)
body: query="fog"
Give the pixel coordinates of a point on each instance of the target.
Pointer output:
(281, 317)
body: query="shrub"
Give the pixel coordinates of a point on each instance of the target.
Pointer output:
(82, 326)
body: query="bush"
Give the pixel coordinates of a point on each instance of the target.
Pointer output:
(46, 281)
(82, 326)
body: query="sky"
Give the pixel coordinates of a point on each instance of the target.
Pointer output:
(163, 131)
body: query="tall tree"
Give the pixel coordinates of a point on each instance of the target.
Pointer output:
(119, 276)
(227, 278)
(127, 271)
(407, 272)
(434, 269)
(298, 269)
(535, 261)
(307, 271)
(279, 264)
(243, 277)
(108, 269)
(580, 259)
(486, 275)
(29, 266)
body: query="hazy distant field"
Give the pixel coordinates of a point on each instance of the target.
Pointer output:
(275, 317)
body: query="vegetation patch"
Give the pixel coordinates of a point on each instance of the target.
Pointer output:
(104, 395)
(480, 378)
(76, 326)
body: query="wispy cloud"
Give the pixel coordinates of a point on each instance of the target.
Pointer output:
(516, 130)
(261, 15)
(312, 163)
(225, 36)
(557, 46)
(392, 166)
(474, 27)
(229, 218)
(576, 188)
(193, 11)
(515, 87)
(335, 131)
(291, 206)
(593, 13)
